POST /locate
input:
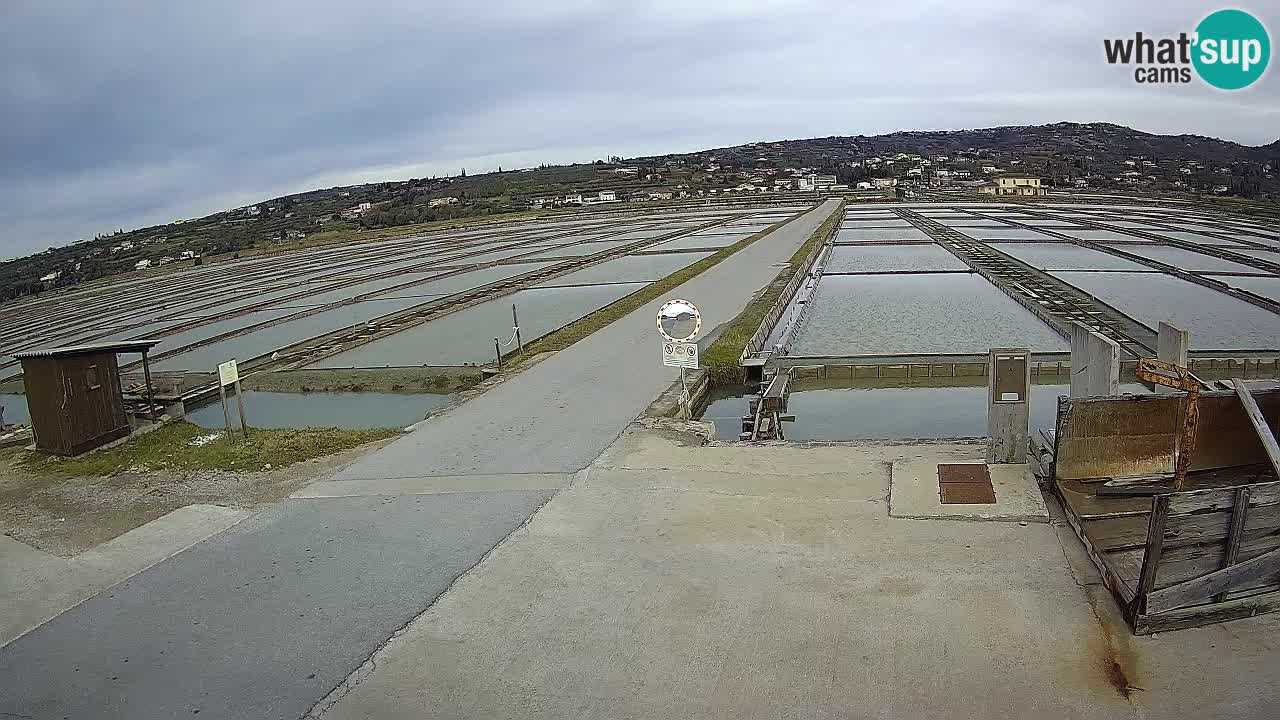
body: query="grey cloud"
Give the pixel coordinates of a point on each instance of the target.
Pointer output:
(124, 114)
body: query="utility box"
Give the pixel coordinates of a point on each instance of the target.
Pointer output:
(1008, 404)
(74, 395)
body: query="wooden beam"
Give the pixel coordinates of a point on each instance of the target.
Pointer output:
(1185, 593)
(1238, 516)
(1260, 425)
(1199, 501)
(1150, 558)
(1201, 615)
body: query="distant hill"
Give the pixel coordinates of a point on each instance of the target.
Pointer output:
(1103, 140)
(1060, 152)
(1101, 155)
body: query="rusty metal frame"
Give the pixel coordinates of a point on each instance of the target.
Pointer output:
(1170, 375)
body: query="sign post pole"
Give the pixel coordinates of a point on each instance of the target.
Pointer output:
(226, 414)
(684, 397)
(516, 322)
(229, 374)
(244, 424)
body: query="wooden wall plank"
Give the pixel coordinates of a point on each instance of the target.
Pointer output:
(1259, 423)
(1202, 587)
(1236, 532)
(1155, 545)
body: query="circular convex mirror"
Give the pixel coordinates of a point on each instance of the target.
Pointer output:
(679, 320)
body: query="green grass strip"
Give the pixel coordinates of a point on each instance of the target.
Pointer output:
(575, 331)
(726, 351)
(181, 446)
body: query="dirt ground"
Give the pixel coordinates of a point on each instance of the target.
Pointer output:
(66, 515)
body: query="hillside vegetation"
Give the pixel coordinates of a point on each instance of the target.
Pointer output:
(1097, 156)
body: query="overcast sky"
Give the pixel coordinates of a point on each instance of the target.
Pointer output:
(124, 114)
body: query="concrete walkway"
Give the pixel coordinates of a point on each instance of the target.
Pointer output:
(265, 619)
(38, 586)
(673, 581)
(261, 620)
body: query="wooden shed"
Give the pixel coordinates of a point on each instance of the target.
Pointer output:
(74, 395)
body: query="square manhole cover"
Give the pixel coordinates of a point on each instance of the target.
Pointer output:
(965, 484)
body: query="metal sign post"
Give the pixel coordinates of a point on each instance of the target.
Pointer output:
(229, 374)
(679, 322)
(244, 423)
(684, 397)
(515, 322)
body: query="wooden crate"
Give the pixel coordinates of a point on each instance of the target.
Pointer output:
(1175, 559)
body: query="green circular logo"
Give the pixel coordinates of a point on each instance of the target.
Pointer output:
(1231, 49)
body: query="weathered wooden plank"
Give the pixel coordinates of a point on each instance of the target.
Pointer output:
(1084, 502)
(1188, 592)
(1246, 589)
(1181, 563)
(1120, 589)
(1216, 527)
(1236, 533)
(1151, 558)
(1259, 423)
(1119, 533)
(1126, 533)
(1145, 624)
(1194, 501)
(1108, 490)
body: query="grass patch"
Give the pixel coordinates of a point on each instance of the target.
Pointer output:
(171, 448)
(726, 351)
(575, 331)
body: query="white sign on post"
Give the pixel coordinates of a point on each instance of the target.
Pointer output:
(679, 323)
(228, 373)
(680, 354)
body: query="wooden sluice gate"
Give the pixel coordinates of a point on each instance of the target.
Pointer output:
(1176, 552)
(768, 411)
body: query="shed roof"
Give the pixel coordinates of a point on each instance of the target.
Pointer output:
(123, 346)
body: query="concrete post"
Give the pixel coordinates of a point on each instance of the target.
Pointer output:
(1095, 363)
(1171, 346)
(1008, 404)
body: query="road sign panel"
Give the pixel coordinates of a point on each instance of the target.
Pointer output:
(228, 373)
(680, 354)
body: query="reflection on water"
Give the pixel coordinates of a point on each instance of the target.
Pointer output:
(467, 336)
(355, 410)
(832, 412)
(1216, 320)
(908, 314)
